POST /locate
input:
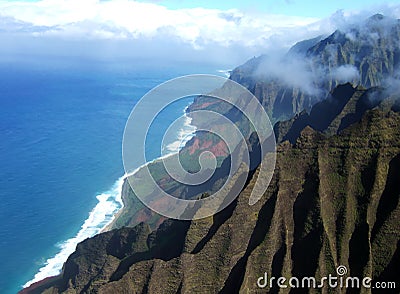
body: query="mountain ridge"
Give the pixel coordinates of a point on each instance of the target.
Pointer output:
(364, 54)
(304, 225)
(344, 106)
(333, 200)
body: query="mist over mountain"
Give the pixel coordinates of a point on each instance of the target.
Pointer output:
(365, 54)
(333, 200)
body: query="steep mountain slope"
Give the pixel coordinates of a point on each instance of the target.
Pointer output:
(372, 47)
(334, 200)
(343, 107)
(364, 54)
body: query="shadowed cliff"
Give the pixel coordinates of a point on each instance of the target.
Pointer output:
(333, 199)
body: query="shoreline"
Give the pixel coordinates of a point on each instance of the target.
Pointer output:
(186, 133)
(110, 206)
(109, 226)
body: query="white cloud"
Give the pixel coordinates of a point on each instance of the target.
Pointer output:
(346, 73)
(291, 71)
(131, 28)
(131, 19)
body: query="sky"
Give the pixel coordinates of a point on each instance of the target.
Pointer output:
(303, 8)
(219, 31)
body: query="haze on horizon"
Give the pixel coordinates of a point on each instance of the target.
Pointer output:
(174, 30)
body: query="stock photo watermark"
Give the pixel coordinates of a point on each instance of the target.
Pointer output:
(146, 185)
(340, 280)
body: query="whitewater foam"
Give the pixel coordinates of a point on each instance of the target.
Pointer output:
(103, 214)
(100, 216)
(225, 72)
(184, 135)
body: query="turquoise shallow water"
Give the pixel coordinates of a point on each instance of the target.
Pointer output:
(61, 129)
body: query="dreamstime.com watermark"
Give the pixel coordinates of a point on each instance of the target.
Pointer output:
(331, 281)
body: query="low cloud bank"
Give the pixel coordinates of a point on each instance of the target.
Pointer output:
(137, 29)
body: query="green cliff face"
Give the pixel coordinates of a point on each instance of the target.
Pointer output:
(334, 200)
(364, 54)
(343, 107)
(318, 61)
(371, 47)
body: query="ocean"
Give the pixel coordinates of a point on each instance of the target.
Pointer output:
(61, 128)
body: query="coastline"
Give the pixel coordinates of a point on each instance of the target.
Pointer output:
(109, 202)
(110, 207)
(186, 133)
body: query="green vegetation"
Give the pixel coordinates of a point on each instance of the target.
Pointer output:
(333, 200)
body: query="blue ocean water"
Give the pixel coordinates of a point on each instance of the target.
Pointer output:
(61, 127)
